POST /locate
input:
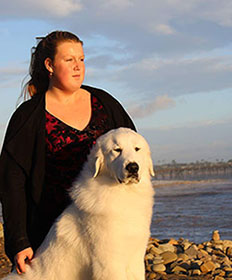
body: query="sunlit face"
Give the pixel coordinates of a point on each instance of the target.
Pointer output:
(68, 67)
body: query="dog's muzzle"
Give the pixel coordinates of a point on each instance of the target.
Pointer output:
(132, 169)
(131, 174)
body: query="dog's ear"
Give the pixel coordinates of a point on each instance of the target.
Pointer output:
(98, 164)
(151, 167)
(95, 160)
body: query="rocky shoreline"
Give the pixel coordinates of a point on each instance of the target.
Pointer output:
(174, 259)
(182, 259)
(5, 264)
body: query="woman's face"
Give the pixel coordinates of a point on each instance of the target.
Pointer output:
(68, 67)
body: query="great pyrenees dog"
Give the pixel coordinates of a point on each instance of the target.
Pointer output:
(103, 234)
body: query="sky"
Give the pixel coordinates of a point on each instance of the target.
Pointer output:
(168, 62)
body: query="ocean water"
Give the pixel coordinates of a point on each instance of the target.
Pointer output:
(193, 211)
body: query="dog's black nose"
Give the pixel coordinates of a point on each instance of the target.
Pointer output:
(132, 167)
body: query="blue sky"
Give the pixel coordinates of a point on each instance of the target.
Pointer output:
(168, 62)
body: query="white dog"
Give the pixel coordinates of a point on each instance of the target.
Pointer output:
(103, 234)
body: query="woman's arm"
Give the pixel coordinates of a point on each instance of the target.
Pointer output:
(14, 206)
(13, 193)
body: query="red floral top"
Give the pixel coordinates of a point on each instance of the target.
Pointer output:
(66, 151)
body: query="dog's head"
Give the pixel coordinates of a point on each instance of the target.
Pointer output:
(123, 154)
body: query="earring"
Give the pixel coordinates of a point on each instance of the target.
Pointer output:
(50, 74)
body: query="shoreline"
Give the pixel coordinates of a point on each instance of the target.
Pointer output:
(168, 183)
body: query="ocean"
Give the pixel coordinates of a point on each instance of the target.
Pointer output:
(192, 210)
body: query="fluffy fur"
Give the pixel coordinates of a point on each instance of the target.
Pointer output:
(103, 234)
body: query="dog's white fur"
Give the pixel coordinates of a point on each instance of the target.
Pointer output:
(103, 234)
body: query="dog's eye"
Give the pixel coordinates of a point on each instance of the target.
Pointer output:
(137, 149)
(118, 150)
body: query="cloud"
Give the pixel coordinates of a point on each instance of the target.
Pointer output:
(157, 45)
(141, 26)
(10, 72)
(177, 76)
(186, 144)
(11, 76)
(40, 9)
(148, 108)
(148, 78)
(163, 29)
(218, 12)
(204, 124)
(116, 4)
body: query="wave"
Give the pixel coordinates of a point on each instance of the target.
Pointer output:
(163, 183)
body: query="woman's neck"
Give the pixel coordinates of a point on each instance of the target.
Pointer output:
(63, 97)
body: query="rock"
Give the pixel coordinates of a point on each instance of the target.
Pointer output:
(1, 231)
(149, 256)
(156, 251)
(149, 246)
(209, 249)
(179, 270)
(173, 241)
(215, 236)
(219, 272)
(202, 254)
(186, 244)
(219, 246)
(219, 278)
(228, 276)
(151, 276)
(207, 267)
(192, 251)
(228, 269)
(158, 260)
(183, 257)
(218, 252)
(166, 247)
(201, 246)
(227, 243)
(148, 267)
(226, 262)
(154, 241)
(168, 257)
(229, 252)
(195, 272)
(185, 265)
(158, 267)
(179, 249)
(173, 264)
(195, 264)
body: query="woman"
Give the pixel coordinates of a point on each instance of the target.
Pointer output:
(48, 140)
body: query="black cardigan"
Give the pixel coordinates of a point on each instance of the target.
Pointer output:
(22, 164)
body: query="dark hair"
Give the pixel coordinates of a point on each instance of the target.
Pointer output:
(46, 48)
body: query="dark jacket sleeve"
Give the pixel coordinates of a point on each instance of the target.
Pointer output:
(121, 117)
(13, 196)
(13, 199)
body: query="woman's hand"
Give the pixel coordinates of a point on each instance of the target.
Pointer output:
(21, 258)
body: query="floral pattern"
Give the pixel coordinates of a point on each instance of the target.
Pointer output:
(66, 151)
